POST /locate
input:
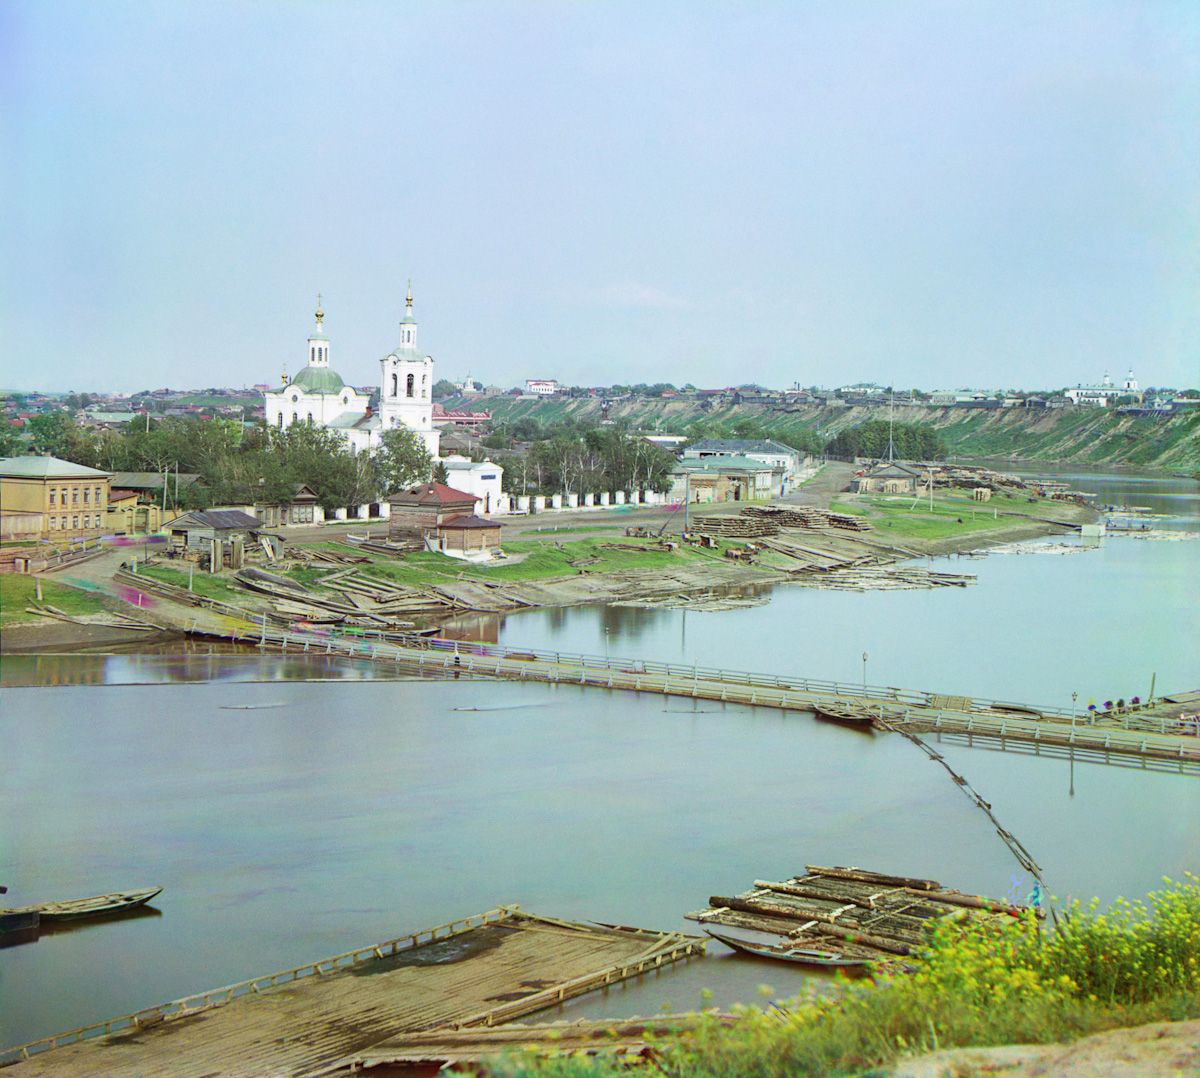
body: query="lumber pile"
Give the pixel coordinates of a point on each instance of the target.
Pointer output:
(806, 516)
(735, 527)
(868, 577)
(317, 556)
(845, 916)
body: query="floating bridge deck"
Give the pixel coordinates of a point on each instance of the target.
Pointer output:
(1165, 737)
(478, 972)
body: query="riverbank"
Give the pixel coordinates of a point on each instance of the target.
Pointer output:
(583, 561)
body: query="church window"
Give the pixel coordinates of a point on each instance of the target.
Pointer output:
(295, 417)
(310, 419)
(294, 398)
(281, 421)
(395, 385)
(410, 383)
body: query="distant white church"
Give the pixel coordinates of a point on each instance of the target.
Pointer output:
(318, 396)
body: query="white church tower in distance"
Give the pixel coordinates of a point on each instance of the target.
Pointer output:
(406, 384)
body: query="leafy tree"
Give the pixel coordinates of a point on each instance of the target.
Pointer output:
(10, 442)
(401, 460)
(322, 459)
(443, 388)
(51, 433)
(912, 441)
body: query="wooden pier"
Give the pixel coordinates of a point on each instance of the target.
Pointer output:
(478, 972)
(1165, 737)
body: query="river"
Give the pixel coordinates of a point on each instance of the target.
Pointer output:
(340, 811)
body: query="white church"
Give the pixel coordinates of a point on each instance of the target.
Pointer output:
(318, 396)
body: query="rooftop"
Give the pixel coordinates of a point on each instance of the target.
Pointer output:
(29, 467)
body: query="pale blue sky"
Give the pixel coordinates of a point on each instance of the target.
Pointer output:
(938, 194)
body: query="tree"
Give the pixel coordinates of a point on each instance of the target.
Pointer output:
(401, 460)
(51, 433)
(443, 388)
(440, 474)
(10, 442)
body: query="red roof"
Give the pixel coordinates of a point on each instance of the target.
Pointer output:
(469, 522)
(432, 494)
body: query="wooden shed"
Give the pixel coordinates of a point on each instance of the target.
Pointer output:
(420, 510)
(469, 536)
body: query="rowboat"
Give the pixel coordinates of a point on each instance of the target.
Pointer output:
(807, 956)
(96, 906)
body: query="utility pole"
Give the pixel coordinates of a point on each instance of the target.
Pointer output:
(864, 672)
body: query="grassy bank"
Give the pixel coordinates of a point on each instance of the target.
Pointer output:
(978, 985)
(539, 559)
(902, 517)
(214, 587)
(1092, 436)
(18, 592)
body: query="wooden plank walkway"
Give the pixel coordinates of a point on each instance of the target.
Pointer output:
(1146, 735)
(480, 971)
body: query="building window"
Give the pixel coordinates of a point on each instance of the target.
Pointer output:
(395, 385)
(74, 523)
(63, 495)
(74, 495)
(99, 495)
(281, 421)
(51, 496)
(87, 495)
(295, 417)
(53, 523)
(410, 383)
(63, 523)
(310, 421)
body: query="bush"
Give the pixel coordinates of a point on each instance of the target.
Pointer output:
(978, 983)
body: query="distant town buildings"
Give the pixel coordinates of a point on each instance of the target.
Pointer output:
(1102, 395)
(542, 387)
(318, 396)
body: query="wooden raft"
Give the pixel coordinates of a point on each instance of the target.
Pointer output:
(844, 916)
(487, 969)
(630, 1040)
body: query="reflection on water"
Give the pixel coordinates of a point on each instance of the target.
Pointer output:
(359, 812)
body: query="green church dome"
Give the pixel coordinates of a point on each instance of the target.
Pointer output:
(318, 380)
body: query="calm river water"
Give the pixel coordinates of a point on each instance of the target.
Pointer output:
(347, 810)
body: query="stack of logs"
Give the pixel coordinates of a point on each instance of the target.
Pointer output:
(848, 915)
(735, 527)
(806, 516)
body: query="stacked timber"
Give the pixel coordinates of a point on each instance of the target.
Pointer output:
(806, 516)
(735, 527)
(843, 916)
(326, 556)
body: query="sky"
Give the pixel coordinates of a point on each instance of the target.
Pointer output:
(912, 193)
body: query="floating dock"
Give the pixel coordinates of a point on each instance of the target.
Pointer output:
(480, 971)
(834, 916)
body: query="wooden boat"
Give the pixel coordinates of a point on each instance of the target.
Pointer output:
(807, 956)
(95, 906)
(18, 920)
(854, 715)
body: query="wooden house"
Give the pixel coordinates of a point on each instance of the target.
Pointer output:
(469, 537)
(889, 477)
(418, 511)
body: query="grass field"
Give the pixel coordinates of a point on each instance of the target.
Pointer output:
(895, 516)
(17, 592)
(214, 587)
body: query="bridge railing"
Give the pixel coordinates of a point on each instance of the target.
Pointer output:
(695, 672)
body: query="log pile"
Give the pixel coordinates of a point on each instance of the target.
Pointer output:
(846, 916)
(735, 527)
(806, 516)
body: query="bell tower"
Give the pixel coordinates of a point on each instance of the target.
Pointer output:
(318, 343)
(406, 383)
